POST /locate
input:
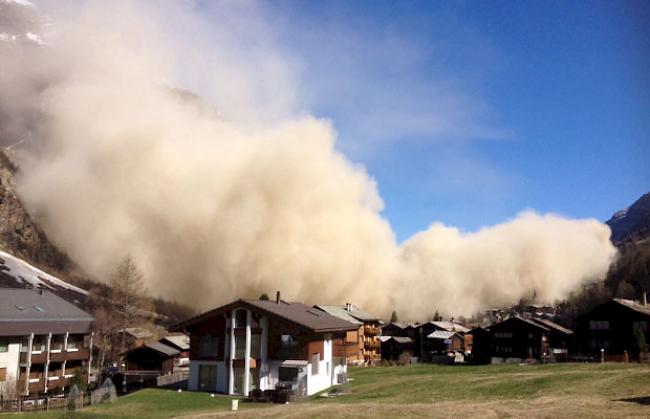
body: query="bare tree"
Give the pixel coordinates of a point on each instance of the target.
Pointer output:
(128, 294)
(9, 389)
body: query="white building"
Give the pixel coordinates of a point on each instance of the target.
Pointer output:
(265, 345)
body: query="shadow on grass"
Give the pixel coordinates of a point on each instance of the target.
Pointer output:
(645, 400)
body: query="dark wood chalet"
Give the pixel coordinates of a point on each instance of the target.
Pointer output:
(517, 337)
(616, 326)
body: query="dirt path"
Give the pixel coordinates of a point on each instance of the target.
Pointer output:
(543, 407)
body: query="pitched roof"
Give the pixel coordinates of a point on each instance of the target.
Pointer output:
(640, 308)
(137, 332)
(25, 311)
(162, 348)
(312, 319)
(441, 334)
(555, 326)
(450, 326)
(340, 312)
(179, 341)
(401, 339)
(517, 318)
(159, 347)
(361, 315)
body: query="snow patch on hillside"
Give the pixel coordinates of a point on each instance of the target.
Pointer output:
(28, 274)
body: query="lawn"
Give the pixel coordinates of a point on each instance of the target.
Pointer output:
(148, 403)
(492, 391)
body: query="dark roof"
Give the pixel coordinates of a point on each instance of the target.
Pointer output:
(517, 318)
(312, 319)
(340, 312)
(179, 341)
(26, 311)
(628, 304)
(401, 339)
(159, 347)
(555, 326)
(640, 308)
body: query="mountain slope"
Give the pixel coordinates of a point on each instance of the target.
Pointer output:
(19, 234)
(631, 224)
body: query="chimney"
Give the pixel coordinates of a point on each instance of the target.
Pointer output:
(644, 300)
(277, 297)
(348, 307)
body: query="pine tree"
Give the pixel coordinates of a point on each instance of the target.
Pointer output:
(264, 297)
(393, 317)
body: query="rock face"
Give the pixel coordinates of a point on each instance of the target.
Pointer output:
(633, 223)
(19, 234)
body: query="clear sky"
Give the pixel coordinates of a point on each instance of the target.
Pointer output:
(470, 112)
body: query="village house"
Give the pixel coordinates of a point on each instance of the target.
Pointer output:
(618, 326)
(521, 338)
(363, 345)
(44, 341)
(155, 358)
(393, 329)
(397, 348)
(265, 345)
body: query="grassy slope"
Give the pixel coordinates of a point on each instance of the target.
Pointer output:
(148, 403)
(562, 390)
(432, 383)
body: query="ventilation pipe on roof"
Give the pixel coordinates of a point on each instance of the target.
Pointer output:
(348, 306)
(277, 297)
(644, 299)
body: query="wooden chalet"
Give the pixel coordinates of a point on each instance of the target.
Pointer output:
(521, 338)
(616, 326)
(361, 346)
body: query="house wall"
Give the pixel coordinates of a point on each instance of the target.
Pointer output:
(271, 355)
(221, 382)
(10, 360)
(323, 379)
(617, 337)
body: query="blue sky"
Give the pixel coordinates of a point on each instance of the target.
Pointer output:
(470, 112)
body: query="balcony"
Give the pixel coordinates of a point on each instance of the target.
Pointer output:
(69, 355)
(39, 357)
(372, 344)
(371, 330)
(36, 385)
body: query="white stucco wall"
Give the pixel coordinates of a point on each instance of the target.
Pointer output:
(10, 360)
(322, 380)
(193, 381)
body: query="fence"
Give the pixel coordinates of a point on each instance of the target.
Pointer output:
(173, 378)
(41, 404)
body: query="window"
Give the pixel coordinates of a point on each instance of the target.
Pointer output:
(240, 318)
(4, 345)
(288, 341)
(209, 345)
(288, 374)
(207, 377)
(503, 335)
(72, 343)
(255, 346)
(599, 325)
(315, 361)
(39, 344)
(641, 326)
(240, 347)
(3, 374)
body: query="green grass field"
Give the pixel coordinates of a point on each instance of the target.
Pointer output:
(493, 391)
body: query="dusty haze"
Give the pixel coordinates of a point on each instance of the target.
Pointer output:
(243, 192)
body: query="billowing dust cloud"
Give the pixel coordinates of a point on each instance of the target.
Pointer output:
(240, 193)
